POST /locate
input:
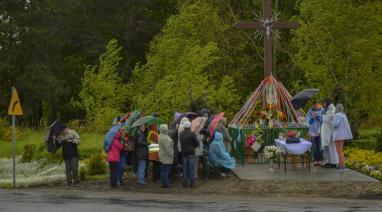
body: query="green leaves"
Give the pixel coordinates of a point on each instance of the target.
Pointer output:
(339, 48)
(180, 65)
(103, 94)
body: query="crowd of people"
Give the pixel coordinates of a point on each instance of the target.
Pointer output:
(174, 151)
(328, 130)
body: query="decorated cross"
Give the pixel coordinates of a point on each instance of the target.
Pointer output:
(267, 24)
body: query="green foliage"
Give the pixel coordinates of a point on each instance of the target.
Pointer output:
(96, 164)
(369, 144)
(103, 94)
(378, 147)
(339, 47)
(82, 173)
(181, 64)
(226, 97)
(29, 152)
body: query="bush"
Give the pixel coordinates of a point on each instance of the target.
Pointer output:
(364, 156)
(6, 130)
(378, 146)
(29, 151)
(367, 144)
(88, 152)
(45, 157)
(97, 164)
(83, 171)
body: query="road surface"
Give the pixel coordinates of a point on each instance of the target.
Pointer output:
(82, 201)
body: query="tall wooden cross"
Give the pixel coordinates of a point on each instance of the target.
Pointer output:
(267, 24)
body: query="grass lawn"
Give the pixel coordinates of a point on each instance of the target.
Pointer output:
(37, 138)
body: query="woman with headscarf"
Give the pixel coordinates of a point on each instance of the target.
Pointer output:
(327, 142)
(341, 132)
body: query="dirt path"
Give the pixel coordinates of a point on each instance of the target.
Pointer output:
(233, 187)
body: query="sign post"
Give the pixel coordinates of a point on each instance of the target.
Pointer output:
(14, 110)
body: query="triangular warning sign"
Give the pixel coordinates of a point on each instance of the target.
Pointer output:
(15, 105)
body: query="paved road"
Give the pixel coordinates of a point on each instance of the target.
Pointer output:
(80, 201)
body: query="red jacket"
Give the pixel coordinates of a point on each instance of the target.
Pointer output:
(114, 154)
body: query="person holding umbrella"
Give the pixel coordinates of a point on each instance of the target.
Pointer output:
(114, 156)
(69, 139)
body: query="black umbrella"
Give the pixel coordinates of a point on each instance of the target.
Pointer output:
(301, 98)
(53, 130)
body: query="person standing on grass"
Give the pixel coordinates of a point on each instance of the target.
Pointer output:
(69, 140)
(166, 155)
(142, 151)
(114, 156)
(188, 143)
(341, 133)
(313, 117)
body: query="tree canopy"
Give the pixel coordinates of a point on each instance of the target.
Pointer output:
(92, 60)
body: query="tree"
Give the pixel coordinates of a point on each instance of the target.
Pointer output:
(181, 66)
(103, 94)
(339, 48)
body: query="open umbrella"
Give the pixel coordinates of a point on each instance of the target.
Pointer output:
(53, 130)
(178, 116)
(198, 124)
(301, 98)
(215, 122)
(131, 119)
(110, 136)
(147, 120)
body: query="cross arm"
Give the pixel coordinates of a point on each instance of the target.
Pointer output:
(285, 25)
(248, 25)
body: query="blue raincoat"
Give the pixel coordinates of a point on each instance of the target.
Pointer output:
(217, 155)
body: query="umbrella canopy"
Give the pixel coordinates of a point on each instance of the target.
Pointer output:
(147, 120)
(198, 124)
(110, 136)
(215, 122)
(131, 119)
(178, 116)
(302, 97)
(53, 130)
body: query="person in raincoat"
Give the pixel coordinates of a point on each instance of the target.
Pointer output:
(218, 156)
(113, 157)
(166, 155)
(327, 142)
(69, 140)
(142, 151)
(313, 117)
(341, 133)
(223, 130)
(123, 158)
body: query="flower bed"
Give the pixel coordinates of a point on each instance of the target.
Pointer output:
(30, 174)
(367, 162)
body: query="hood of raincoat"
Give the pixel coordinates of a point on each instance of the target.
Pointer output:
(184, 120)
(218, 136)
(163, 129)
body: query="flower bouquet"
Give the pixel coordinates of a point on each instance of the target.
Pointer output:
(270, 153)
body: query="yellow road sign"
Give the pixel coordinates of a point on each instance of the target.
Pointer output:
(15, 105)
